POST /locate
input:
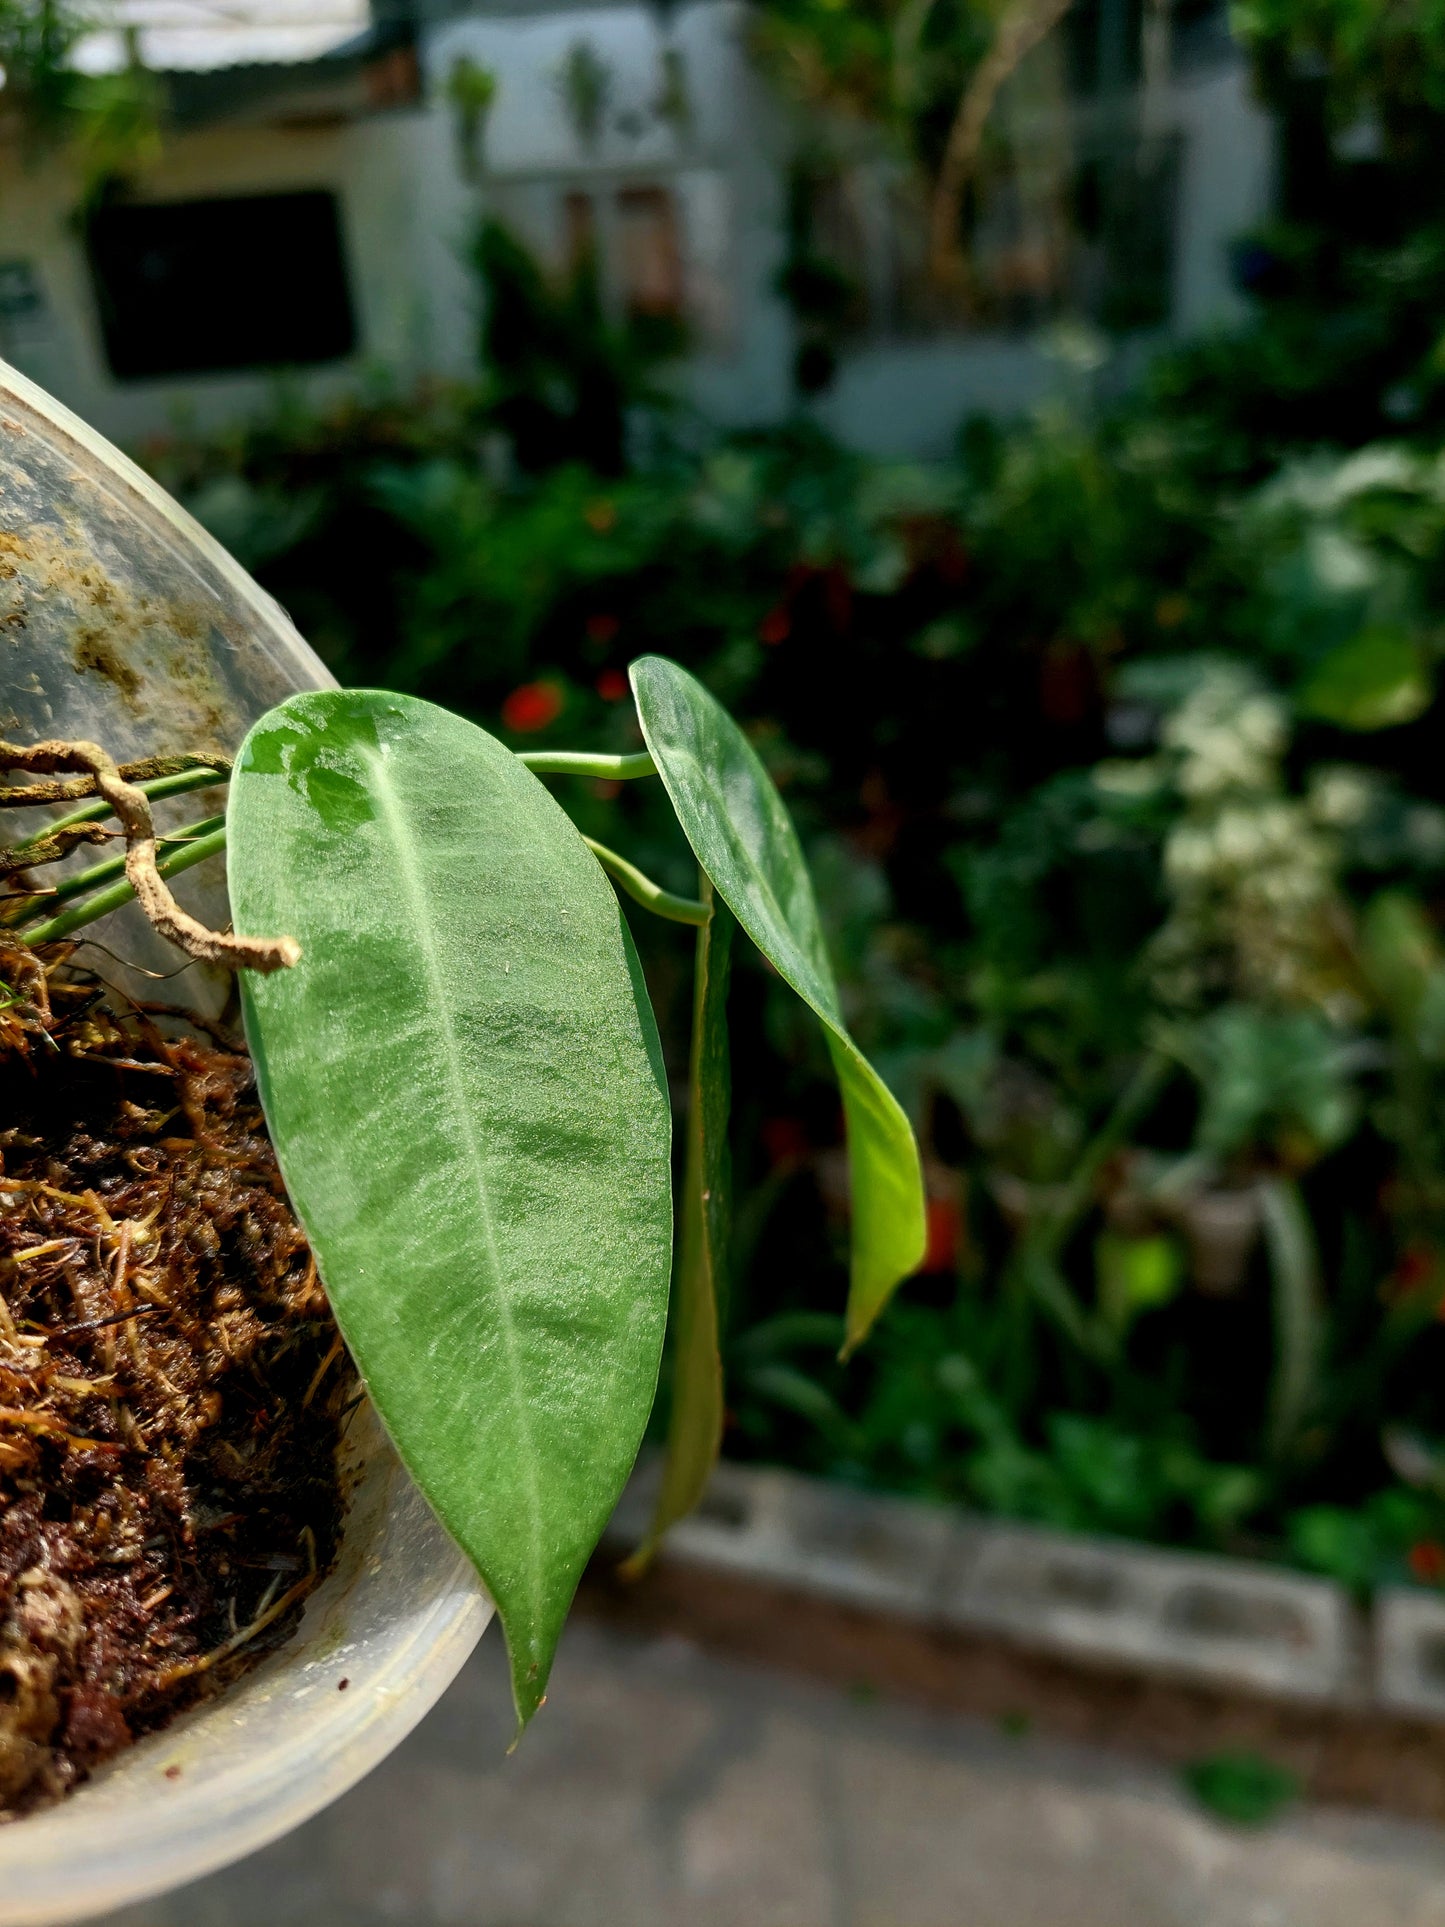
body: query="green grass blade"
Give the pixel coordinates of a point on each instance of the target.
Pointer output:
(695, 1422)
(744, 839)
(464, 1083)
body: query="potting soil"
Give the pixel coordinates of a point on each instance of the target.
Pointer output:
(172, 1389)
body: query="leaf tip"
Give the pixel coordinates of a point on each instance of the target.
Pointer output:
(853, 1339)
(631, 1569)
(529, 1694)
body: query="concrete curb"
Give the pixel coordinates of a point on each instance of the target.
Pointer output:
(1224, 1622)
(1409, 1672)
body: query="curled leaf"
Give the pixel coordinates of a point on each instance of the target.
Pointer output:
(695, 1422)
(743, 837)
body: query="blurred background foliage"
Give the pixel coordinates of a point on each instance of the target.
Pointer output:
(108, 123)
(1115, 741)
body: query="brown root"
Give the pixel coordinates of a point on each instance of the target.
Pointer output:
(132, 807)
(24, 796)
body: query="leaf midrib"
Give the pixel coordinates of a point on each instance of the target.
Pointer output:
(424, 933)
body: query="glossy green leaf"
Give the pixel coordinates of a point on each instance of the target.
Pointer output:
(744, 839)
(464, 1084)
(695, 1421)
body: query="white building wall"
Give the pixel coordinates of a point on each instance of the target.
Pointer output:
(374, 167)
(908, 398)
(1228, 186)
(409, 211)
(724, 166)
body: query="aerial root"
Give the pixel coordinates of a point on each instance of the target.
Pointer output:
(132, 807)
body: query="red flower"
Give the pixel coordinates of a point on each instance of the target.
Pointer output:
(1427, 1561)
(1416, 1271)
(532, 706)
(945, 1235)
(602, 628)
(611, 685)
(775, 627)
(1416, 1267)
(784, 1140)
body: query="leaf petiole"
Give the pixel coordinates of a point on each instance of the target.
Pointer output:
(582, 762)
(183, 857)
(642, 889)
(176, 783)
(114, 866)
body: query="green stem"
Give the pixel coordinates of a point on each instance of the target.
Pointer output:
(104, 901)
(1035, 1267)
(114, 866)
(1135, 1102)
(695, 1421)
(158, 786)
(652, 896)
(582, 762)
(176, 784)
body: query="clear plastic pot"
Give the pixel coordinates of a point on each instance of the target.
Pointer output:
(123, 621)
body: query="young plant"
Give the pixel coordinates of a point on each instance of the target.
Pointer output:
(461, 1073)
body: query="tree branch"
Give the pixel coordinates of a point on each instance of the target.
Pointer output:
(1022, 25)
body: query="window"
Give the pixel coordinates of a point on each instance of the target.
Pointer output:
(200, 287)
(649, 258)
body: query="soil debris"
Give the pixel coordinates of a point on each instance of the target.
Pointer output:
(172, 1388)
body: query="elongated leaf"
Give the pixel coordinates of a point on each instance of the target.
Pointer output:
(463, 1080)
(744, 839)
(1299, 1311)
(695, 1422)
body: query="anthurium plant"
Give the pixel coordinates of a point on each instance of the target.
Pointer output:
(461, 1074)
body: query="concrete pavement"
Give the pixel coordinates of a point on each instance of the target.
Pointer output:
(665, 1787)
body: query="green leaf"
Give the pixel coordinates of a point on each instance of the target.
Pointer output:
(1374, 681)
(1241, 1786)
(1400, 953)
(1135, 1274)
(744, 839)
(463, 1080)
(1299, 1311)
(695, 1422)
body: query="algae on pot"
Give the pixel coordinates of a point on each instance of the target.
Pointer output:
(461, 1076)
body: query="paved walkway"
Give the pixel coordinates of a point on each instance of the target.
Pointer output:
(662, 1787)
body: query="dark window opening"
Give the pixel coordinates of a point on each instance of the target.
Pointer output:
(206, 287)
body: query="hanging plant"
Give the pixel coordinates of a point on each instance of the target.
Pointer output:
(584, 82)
(472, 93)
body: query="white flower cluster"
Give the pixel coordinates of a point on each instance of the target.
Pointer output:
(1228, 734)
(1250, 870)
